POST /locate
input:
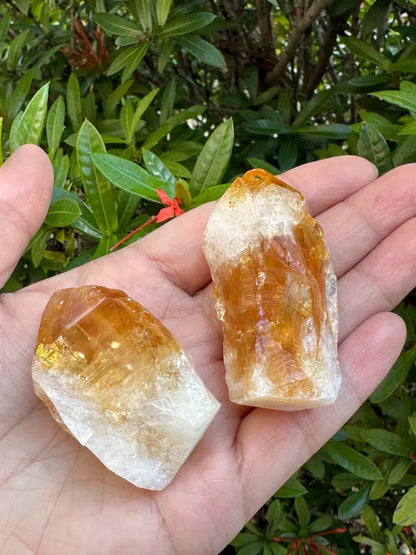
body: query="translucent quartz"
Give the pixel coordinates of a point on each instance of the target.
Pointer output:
(276, 296)
(114, 377)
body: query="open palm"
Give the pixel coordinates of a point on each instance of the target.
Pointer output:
(56, 497)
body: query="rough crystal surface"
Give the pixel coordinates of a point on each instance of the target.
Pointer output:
(114, 377)
(276, 296)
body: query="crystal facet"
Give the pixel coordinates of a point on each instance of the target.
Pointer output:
(276, 296)
(114, 377)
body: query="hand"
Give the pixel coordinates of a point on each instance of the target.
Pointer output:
(55, 497)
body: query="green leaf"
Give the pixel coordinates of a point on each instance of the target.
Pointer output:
(135, 60)
(30, 125)
(158, 169)
(351, 460)
(14, 102)
(412, 423)
(213, 159)
(302, 512)
(378, 548)
(85, 222)
(274, 514)
(405, 98)
(142, 106)
(4, 25)
(353, 504)
(98, 190)
(365, 51)
(409, 129)
(244, 539)
(316, 466)
(15, 49)
(117, 25)
(55, 125)
(405, 513)
(213, 193)
(259, 163)
(183, 24)
(126, 58)
(203, 50)
(386, 442)
(371, 521)
(162, 11)
(166, 48)
(129, 176)
(73, 102)
(399, 471)
(111, 102)
(405, 152)
(288, 153)
(38, 245)
(375, 16)
(345, 480)
(312, 107)
(168, 100)
(154, 138)
(326, 131)
(60, 171)
(372, 145)
(396, 377)
(320, 524)
(62, 213)
(144, 11)
(292, 488)
(23, 5)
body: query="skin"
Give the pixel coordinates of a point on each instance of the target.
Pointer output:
(55, 497)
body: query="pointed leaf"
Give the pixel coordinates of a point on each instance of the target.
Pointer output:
(351, 460)
(162, 11)
(144, 11)
(116, 25)
(135, 60)
(62, 213)
(30, 125)
(353, 504)
(364, 50)
(123, 59)
(213, 193)
(213, 159)
(292, 488)
(85, 222)
(158, 169)
(203, 50)
(55, 125)
(398, 471)
(98, 190)
(183, 24)
(320, 524)
(396, 377)
(73, 102)
(14, 102)
(129, 176)
(142, 106)
(370, 520)
(386, 442)
(373, 146)
(171, 123)
(60, 171)
(405, 513)
(302, 512)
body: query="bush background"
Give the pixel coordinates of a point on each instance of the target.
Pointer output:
(131, 96)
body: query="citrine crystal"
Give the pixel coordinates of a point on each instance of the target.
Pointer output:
(276, 296)
(114, 377)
